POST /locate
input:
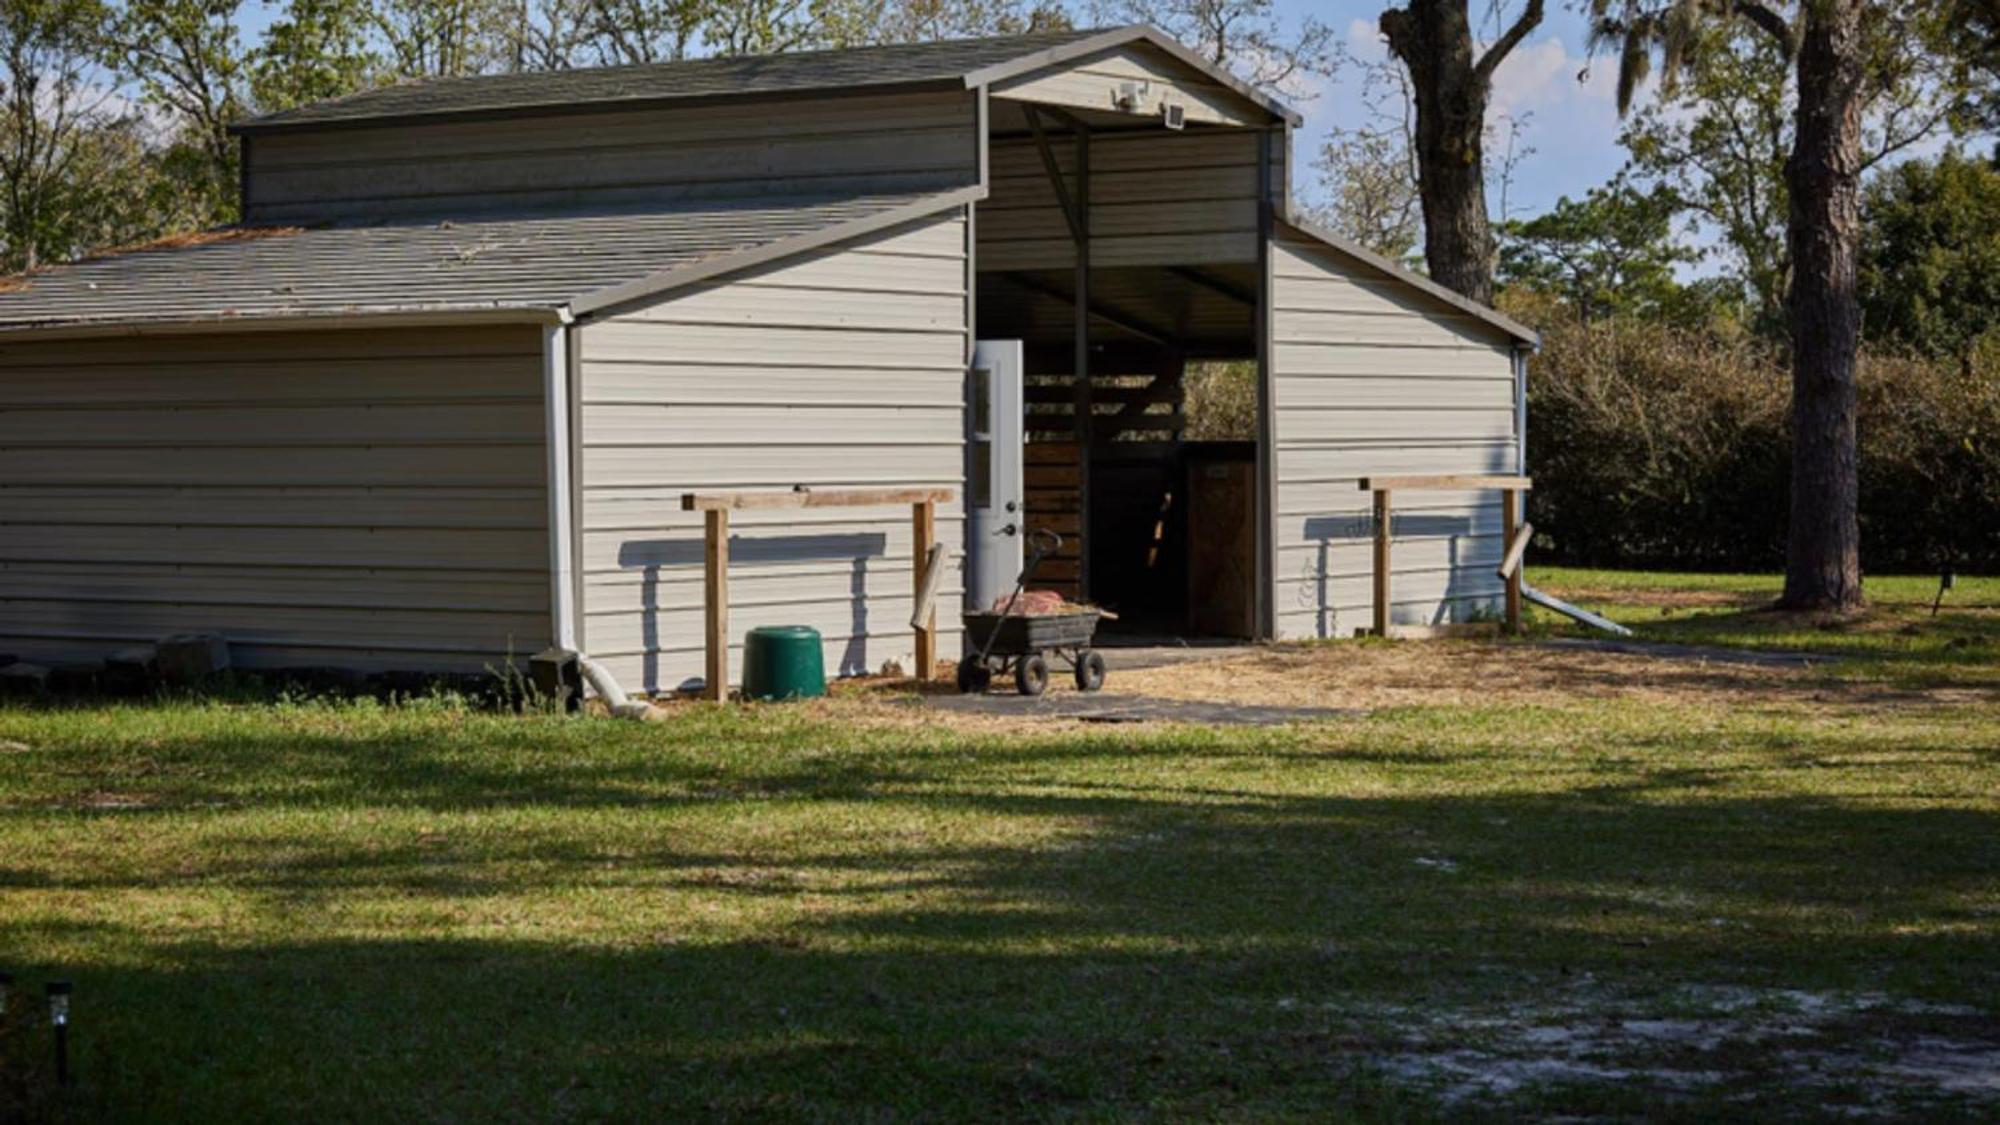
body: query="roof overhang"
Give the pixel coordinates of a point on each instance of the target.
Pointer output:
(555, 309)
(693, 273)
(568, 109)
(1126, 36)
(425, 317)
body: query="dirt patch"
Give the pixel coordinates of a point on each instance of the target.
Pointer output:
(1862, 1052)
(1460, 673)
(1662, 598)
(1351, 678)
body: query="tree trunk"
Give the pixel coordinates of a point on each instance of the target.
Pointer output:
(1433, 38)
(1823, 550)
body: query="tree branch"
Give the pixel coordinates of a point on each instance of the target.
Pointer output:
(1766, 20)
(1531, 18)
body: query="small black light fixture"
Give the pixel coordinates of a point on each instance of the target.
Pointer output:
(59, 1019)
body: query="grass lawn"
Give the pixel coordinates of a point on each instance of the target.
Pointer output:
(1665, 906)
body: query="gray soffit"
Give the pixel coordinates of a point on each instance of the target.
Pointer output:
(533, 264)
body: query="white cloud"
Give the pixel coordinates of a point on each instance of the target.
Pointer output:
(1568, 100)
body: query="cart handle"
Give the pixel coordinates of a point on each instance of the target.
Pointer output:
(1045, 543)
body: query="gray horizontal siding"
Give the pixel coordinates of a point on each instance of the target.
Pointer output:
(824, 147)
(360, 499)
(845, 368)
(1155, 199)
(1370, 378)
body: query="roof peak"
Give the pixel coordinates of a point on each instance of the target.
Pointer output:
(872, 65)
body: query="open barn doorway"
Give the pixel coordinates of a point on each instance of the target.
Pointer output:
(1129, 259)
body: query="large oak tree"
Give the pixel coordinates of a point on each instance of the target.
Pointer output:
(1452, 83)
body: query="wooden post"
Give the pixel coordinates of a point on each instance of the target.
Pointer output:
(715, 576)
(1510, 522)
(1382, 519)
(923, 523)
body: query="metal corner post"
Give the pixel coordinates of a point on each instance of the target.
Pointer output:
(1267, 422)
(556, 391)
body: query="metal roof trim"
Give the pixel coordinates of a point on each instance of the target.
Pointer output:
(261, 128)
(378, 316)
(1491, 317)
(1122, 36)
(665, 281)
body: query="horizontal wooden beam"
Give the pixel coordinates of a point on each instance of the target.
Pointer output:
(1139, 423)
(812, 498)
(1445, 483)
(1062, 395)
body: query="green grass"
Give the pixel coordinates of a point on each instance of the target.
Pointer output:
(351, 912)
(1898, 638)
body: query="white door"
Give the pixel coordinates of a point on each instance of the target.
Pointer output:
(995, 417)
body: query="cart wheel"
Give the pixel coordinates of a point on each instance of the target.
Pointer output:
(1089, 670)
(974, 677)
(1031, 675)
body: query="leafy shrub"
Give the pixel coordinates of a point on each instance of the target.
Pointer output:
(1659, 446)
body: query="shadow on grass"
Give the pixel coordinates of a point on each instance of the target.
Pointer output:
(1170, 947)
(1899, 634)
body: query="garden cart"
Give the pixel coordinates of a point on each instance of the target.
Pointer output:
(1023, 643)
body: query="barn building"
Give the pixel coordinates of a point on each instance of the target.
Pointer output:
(434, 404)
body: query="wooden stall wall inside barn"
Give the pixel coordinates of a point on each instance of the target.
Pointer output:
(364, 499)
(1374, 379)
(842, 368)
(1156, 232)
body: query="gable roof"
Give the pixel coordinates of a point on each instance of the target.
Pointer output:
(558, 265)
(1403, 275)
(960, 63)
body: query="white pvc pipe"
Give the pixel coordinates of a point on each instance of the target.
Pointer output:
(1550, 601)
(604, 684)
(920, 616)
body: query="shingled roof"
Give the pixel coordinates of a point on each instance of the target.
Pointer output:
(577, 263)
(957, 61)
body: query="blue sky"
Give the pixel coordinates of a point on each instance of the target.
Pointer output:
(1572, 126)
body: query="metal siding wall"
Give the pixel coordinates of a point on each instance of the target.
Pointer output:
(367, 500)
(1094, 82)
(1372, 379)
(1158, 199)
(827, 146)
(842, 369)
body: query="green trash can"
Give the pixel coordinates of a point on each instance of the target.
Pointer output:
(783, 662)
